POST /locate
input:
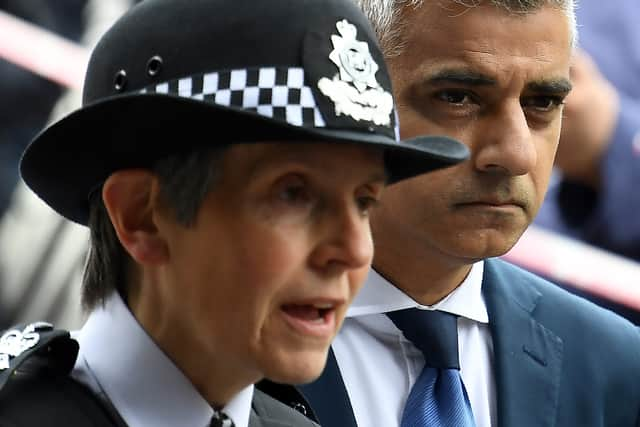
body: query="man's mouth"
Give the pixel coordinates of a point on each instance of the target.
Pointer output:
(494, 203)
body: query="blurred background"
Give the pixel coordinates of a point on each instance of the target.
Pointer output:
(586, 237)
(44, 49)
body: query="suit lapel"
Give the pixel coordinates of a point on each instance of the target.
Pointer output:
(257, 421)
(329, 398)
(268, 411)
(528, 356)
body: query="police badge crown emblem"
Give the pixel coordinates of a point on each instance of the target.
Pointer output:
(354, 90)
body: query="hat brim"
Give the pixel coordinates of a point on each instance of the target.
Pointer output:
(72, 157)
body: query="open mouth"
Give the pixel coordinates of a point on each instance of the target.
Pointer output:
(313, 319)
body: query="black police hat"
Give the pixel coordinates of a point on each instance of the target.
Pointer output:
(174, 74)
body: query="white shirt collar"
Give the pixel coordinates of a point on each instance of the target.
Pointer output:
(380, 296)
(141, 382)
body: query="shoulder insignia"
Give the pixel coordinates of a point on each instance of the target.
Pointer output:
(20, 343)
(15, 342)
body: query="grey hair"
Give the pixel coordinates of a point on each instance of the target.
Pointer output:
(385, 16)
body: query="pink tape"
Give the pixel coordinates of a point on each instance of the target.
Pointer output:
(582, 266)
(42, 52)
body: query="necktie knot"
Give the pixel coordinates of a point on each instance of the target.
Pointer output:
(435, 333)
(438, 396)
(220, 419)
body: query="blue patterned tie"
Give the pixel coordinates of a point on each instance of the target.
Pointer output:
(438, 398)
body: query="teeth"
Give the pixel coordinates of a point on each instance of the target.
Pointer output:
(325, 306)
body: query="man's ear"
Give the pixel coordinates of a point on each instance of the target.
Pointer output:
(131, 197)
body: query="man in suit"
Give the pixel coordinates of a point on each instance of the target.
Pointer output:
(494, 75)
(226, 173)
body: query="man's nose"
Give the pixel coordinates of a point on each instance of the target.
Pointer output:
(506, 144)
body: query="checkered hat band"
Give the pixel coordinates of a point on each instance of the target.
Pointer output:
(275, 92)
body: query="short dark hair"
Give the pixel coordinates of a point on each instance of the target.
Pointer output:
(185, 180)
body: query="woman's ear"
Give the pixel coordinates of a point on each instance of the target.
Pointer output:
(131, 197)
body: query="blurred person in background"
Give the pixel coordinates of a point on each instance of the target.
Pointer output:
(595, 196)
(41, 253)
(27, 99)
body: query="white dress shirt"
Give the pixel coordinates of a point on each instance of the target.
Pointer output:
(124, 367)
(379, 365)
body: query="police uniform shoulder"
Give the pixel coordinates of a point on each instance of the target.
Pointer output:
(34, 349)
(35, 386)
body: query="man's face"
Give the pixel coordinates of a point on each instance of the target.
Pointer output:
(260, 284)
(494, 81)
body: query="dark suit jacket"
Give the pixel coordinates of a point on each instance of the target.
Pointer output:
(559, 360)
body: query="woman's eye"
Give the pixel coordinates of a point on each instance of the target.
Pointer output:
(294, 194)
(292, 190)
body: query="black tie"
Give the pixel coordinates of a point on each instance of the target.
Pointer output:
(220, 419)
(438, 397)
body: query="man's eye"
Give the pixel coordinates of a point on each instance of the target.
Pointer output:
(453, 96)
(543, 103)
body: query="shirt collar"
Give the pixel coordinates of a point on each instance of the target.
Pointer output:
(380, 296)
(141, 382)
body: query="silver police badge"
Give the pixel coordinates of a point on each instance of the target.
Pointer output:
(355, 90)
(15, 342)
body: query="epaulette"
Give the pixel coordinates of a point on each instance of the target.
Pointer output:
(35, 347)
(35, 386)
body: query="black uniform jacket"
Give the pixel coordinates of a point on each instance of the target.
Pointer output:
(36, 389)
